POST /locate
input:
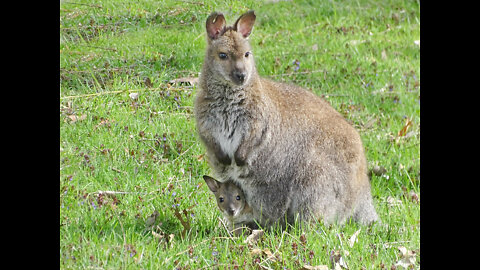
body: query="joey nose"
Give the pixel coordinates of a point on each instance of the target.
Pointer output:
(239, 76)
(231, 212)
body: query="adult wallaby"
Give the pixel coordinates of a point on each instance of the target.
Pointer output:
(289, 151)
(231, 202)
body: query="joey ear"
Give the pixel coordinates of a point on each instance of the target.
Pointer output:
(211, 183)
(215, 24)
(244, 24)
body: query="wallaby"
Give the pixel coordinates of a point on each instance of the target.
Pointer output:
(232, 203)
(289, 151)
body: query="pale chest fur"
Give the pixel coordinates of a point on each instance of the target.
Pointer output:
(227, 127)
(225, 117)
(227, 131)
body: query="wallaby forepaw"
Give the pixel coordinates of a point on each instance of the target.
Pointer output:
(240, 159)
(223, 158)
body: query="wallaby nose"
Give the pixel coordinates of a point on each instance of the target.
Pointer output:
(231, 212)
(239, 75)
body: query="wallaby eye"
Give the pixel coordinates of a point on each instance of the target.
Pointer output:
(220, 199)
(247, 54)
(238, 198)
(222, 56)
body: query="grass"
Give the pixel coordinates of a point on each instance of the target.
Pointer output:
(361, 56)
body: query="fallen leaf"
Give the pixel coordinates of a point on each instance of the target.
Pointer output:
(148, 82)
(176, 11)
(171, 239)
(353, 238)
(337, 260)
(404, 130)
(378, 170)
(157, 235)
(413, 196)
(256, 252)
(276, 1)
(317, 267)
(254, 237)
(370, 123)
(384, 55)
(133, 96)
(407, 258)
(269, 255)
(391, 201)
(151, 220)
(88, 57)
(381, 90)
(103, 122)
(74, 118)
(341, 263)
(356, 42)
(185, 81)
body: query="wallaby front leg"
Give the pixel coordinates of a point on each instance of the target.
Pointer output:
(215, 147)
(240, 155)
(221, 155)
(249, 142)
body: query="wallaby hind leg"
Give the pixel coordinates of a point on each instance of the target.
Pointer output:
(365, 212)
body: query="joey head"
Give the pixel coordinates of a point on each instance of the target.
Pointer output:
(231, 202)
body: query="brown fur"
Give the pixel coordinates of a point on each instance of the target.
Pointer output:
(231, 202)
(289, 151)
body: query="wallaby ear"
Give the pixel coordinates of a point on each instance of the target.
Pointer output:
(244, 24)
(215, 24)
(211, 183)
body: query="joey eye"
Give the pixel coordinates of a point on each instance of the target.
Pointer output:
(238, 198)
(247, 54)
(222, 56)
(220, 199)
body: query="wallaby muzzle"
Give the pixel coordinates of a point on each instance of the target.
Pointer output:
(239, 76)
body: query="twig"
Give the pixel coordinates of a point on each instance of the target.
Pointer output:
(181, 154)
(107, 49)
(225, 237)
(263, 266)
(81, 4)
(296, 73)
(279, 245)
(119, 171)
(216, 265)
(153, 148)
(141, 256)
(339, 238)
(123, 231)
(185, 223)
(191, 2)
(225, 227)
(110, 193)
(296, 239)
(124, 91)
(389, 244)
(273, 254)
(180, 253)
(201, 35)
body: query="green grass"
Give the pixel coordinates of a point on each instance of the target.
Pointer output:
(358, 55)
